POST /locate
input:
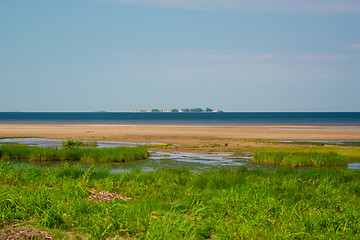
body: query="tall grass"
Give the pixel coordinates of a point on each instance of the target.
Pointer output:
(97, 155)
(342, 154)
(176, 204)
(301, 158)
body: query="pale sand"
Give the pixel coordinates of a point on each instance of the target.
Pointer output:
(182, 135)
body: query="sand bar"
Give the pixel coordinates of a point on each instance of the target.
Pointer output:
(183, 135)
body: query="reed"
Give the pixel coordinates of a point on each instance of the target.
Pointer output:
(301, 158)
(96, 155)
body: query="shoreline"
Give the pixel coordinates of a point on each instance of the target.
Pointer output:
(187, 138)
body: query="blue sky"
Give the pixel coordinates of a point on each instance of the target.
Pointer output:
(234, 55)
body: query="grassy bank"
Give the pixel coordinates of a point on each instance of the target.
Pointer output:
(301, 158)
(97, 155)
(327, 155)
(177, 204)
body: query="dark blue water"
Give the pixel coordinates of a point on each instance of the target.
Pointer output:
(227, 118)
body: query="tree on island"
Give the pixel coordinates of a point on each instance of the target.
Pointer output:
(184, 110)
(196, 110)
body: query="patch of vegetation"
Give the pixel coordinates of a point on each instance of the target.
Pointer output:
(178, 204)
(349, 144)
(75, 143)
(117, 154)
(211, 145)
(305, 143)
(349, 154)
(168, 145)
(309, 157)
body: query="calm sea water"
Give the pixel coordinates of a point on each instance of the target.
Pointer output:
(227, 118)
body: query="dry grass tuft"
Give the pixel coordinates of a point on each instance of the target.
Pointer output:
(25, 234)
(98, 196)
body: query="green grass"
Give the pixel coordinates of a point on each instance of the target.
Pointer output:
(349, 154)
(117, 154)
(74, 143)
(351, 144)
(305, 143)
(320, 203)
(165, 146)
(211, 145)
(301, 158)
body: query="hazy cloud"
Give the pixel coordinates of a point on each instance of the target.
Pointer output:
(252, 5)
(313, 57)
(355, 46)
(218, 56)
(215, 56)
(223, 56)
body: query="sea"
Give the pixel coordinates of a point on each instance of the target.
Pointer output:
(205, 119)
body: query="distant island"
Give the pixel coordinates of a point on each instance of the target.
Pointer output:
(184, 110)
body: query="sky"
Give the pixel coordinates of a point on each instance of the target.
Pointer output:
(233, 55)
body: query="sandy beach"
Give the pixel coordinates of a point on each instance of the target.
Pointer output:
(184, 136)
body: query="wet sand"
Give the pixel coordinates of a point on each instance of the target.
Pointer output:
(184, 136)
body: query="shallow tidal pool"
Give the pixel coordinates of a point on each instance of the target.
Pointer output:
(157, 160)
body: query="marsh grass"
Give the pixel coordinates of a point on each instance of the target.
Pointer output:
(210, 145)
(348, 154)
(305, 143)
(301, 158)
(117, 154)
(164, 146)
(343, 144)
(350, 144)
(320, 203)
(75, 143)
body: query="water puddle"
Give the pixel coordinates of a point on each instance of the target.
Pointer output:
(354, 166)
